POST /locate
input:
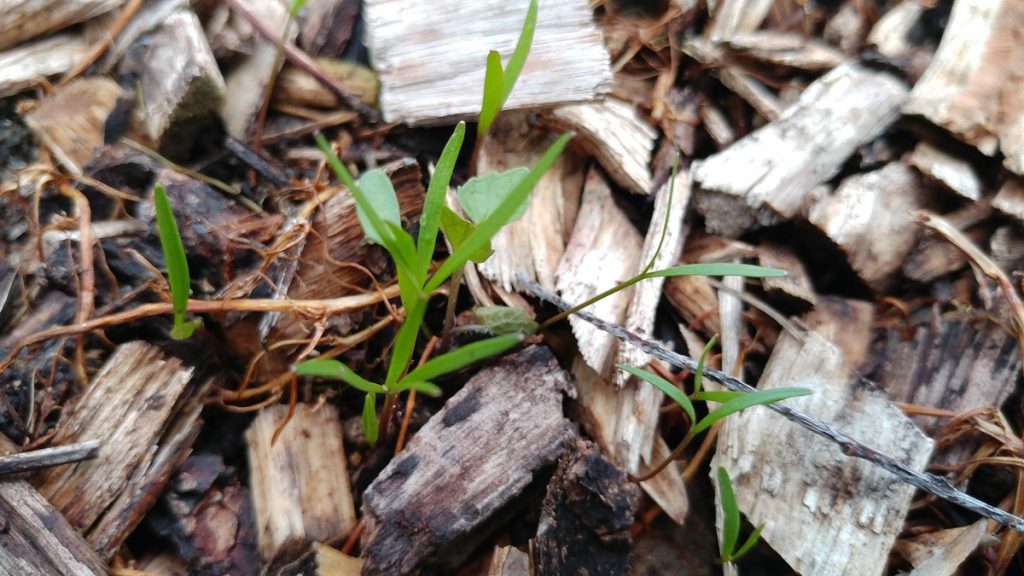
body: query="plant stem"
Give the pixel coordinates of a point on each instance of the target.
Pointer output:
(449, 311)
(566, 313)
(671, 458)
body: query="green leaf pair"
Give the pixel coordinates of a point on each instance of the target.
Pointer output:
(731, 522)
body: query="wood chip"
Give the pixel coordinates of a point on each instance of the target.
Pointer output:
(508, 561)
(26, 65)
(299, 480)
(786, 49)
(734, 77)
(972, 87)
(953, 173)
(891, 33)
(942, 553)
(427, 79)
(27, 19)
(296, 87)
(1010, 199)
(330, 562)
(433, 502)
(770, 172)
(795, 287)
(847, 324)
(935, 256)
(824, 513)
(732, 16)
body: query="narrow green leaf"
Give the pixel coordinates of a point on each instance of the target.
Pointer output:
(493, 92)
(501, 320)
(668, 216)
(380, 194)
(370, 426)
(716, 396)
(430, 220)
(752, 540)
(331, 368)
(481, 195)
(665, 386)
(462, 357)
(518, 58)
(489, 227)
(718, 269)
(177, 265)
(698, 378)
(746, 401)
(403, 251)
(457, 230)
(405, 341)
(428, 388)
(730, 515)
(293, 9)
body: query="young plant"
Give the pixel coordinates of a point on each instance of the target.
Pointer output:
(498, 82)
(731, 522)
(178, 278)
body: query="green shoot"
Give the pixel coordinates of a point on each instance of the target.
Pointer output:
(758, 398)
(698, 378)
(665, 386)
(498, 83)
(433, 204)
(519, 55)
(177, 266)
(330, 368)
(731, 522)
(371, 428)
(464, 356)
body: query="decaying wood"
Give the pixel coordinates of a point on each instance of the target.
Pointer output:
(941, 553)
(47, 457)
(770, 172)
(459, 474)
(869, 217)
(70, 121)
(786, 49)
(935, 256)
(586, 516)
(35, 540)
(974, 86)
(795, 287)
(615, 134)
(952, 172)
(1010, 199)
(1007, 248)
(27, 19)
(144, 409)
(847, 324)
(732, 16)
(408, 41)
(24, 66)
(327, 26)
(604, 250)
(823, 512)
(532, 246)
(181, 87)
(296, 87)
(299, 483)
(509, 561)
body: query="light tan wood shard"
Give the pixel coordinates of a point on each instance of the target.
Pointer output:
(974, 86)
(949, 171)
(603, 251)
(942, 553)
(26, 65)
(428, 75)
(935, 256)
(796, 284)
(891, 33)
(508, 561)
(300, 487)
(296, 87)
(1010, 199)
(716, 124)
(615, 134)
(730, 17)
(330, 562)
(769, 173)
(786, 49)
(824, 513)
(532, 246)
(69, 122)
(869, 217)
(734, 77)
(144, 409)
(846, 323)
(27, 19)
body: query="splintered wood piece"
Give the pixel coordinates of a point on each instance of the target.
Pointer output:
(732, 16)
(299, 483)
(694, 297)
(949, 171)
(459, 474)
(69, 122)
(427, 77)
(26, 19)
(845, 323)
(26, 65)
(825, 513)
(935, 256)
(330, 562)
(47, 457)
(181, 85)
(603, 251)
(532, 246)
(607, 412)
(509, 561)
(144, 410)
(1007, 248)
(891, 33)
(327, 26)
(941, 553)
(869, 217)
(786, 49)
(795, 287)
(37, 541)
(1010, 199)
(297, 87)
(972, 87)
(769, 173)
(615, 134)
(586, 516)
(733, 77)
(647, 294)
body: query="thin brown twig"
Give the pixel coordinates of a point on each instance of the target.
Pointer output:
(410, 399)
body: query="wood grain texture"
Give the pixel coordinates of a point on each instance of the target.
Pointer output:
(824, 513)
(732, 16)
(27, 19)
(1010, 199)
(949, 171)
(769, 173)
(24, 66)
(426, 77)
(459, 474)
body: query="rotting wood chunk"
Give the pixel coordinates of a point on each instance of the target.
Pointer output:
(457, 478)
(584, 526)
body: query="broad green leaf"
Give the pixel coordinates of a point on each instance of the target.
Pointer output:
(518, 58)
(428, 388)
(746, 401)
(462, 357)
(177, 266)
(380, 194)
(718, 269)
(716, 396)
(405, 341)
(698, 378)
(331, 368)
(501, 320)
(748, 545)
(481, 195)
(370, 426)
(489, 227)
(457, 230)
(493, 92)
(730, 515)
(433, 204)
(665, 386)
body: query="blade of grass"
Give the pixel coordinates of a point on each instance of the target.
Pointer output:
(752, 399)
(716, 396)
(501, 216)
(371, 427)
(493, 92)
(755, 536)
(330, 368)
(430, 220)
(665, 386)
(178, 278)
(717, 269)
(698, 378)
(428, 388)
(464, 356)
(730, 515)
(405, 342)
(668, 215)
(518, 58)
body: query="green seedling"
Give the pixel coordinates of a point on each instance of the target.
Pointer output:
(178, 278)
(498, 82)
(731, 522)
